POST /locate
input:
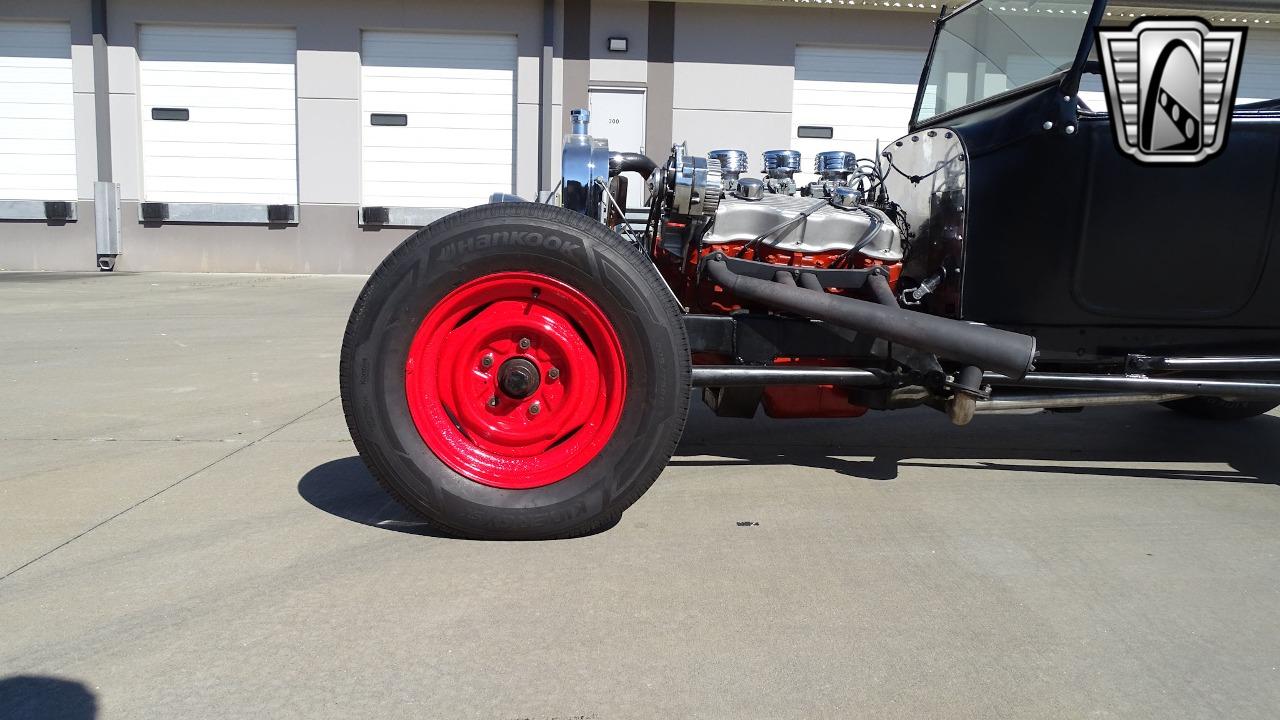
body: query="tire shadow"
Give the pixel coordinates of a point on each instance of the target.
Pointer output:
(40, 697)
(345, 488)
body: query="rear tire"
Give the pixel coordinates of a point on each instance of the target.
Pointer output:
(1212, 408)
(411, 356)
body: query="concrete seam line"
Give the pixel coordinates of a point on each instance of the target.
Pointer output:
(160, 492)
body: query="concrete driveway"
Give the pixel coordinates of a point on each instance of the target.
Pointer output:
(184, 532)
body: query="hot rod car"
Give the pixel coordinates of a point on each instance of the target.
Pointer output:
(524, 370)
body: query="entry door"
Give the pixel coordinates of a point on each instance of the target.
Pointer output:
(618, 114)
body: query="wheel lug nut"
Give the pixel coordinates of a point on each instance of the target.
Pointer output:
(535, 408)
(553, 373)
(493, 401)
(524, 343)
(486, 361)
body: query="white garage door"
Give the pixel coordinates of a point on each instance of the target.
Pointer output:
(1260, 73)
(438, 118)
(37, 133)
(862, 95)
(218, 115)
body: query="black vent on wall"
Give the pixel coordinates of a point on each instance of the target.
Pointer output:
(57, 210)
(154, 211)
(375, 216)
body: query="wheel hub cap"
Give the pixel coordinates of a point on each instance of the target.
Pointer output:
(518, 378)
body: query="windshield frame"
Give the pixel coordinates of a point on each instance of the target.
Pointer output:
(1068, 81)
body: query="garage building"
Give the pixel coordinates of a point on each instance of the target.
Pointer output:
(305, 136)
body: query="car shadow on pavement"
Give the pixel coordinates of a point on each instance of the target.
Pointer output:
(1118, 442)
(1136, 442)
(35, 697)
(346, 489)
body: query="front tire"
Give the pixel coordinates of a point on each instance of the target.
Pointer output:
(516, 371)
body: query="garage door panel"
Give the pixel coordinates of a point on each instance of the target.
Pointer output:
(444, 194)
(32, 74)
(239, 197)
(457, 82)
(229, 184)
(37, 134)
(184, 149)
(13, 148)
(217, 44)
(458, 94)
(238, 79)
(29, 186)
(31, 165)
(239, 143)
(440, 50)
(253, 99)
(245, 134)
(35, 40)
(1260, 71)
(486, 174)
(837, 96)
(433, 104)
(35, 128)
(37, 111)
(390, 153)
(455, 138)
(175, 167)
(36, 93)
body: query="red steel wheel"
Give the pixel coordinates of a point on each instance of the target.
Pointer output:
(515, 380)
(515, 372)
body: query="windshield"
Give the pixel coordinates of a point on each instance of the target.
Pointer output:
(995, 46)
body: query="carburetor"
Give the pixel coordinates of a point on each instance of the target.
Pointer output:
(780, 167)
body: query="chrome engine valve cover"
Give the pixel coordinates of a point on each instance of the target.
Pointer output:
(827, 228)
(698, 186)
(781, 163)
(835, 164)
(732, 164)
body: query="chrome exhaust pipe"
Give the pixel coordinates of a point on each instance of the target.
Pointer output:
(757, 376)
(1245, 389)
(1068, 400)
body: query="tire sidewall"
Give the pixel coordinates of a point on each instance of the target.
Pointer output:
(552, 242)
